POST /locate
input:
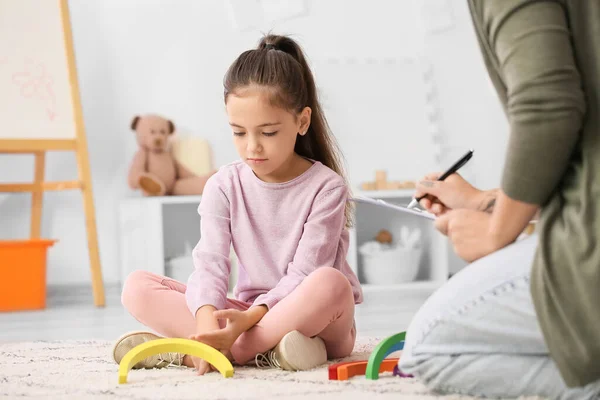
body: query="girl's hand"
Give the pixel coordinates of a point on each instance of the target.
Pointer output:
(201, 365)
(452, 193)
(238, 322)
(204, 321)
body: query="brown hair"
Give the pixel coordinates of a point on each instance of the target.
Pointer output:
(279, 64)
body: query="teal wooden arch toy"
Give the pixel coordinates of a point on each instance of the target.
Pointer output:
(383, 349)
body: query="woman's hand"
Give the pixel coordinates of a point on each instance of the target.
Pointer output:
(452, 193)
(475, 234)
(470, 233)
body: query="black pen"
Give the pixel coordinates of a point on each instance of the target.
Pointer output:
(457, 165)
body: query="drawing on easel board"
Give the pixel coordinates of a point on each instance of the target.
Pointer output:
(35, 90)
(40, 108)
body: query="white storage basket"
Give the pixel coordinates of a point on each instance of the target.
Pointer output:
(392, 266)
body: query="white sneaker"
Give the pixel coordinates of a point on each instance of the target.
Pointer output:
(132, 339)
(295, 352)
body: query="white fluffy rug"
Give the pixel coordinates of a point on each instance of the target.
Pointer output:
(85, 370)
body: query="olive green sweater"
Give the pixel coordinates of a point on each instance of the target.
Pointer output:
(544, 60)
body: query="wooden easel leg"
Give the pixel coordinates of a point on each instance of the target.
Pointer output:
(37, 195)
(90, 223)
(97, 280)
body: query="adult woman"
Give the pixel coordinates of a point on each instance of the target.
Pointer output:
(522, 319)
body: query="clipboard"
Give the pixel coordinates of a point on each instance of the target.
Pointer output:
(396, 207)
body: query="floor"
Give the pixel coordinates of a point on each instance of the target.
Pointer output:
(71, 315)
(84, 370)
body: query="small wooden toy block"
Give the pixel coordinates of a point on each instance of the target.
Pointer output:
(385, 348)
(529, 229)
(384, 236)
(170, 345)
(401, 374)
(381, 183)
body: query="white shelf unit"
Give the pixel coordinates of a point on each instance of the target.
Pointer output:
(370, 219)
(154, 230)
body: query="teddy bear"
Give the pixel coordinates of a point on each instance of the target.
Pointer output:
(154, 169)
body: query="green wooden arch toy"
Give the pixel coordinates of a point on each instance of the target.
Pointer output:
(168, 345)
(383, 349)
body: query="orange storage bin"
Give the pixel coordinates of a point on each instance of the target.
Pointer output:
(23, 274)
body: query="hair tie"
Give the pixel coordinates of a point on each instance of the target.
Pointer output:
(270, 46)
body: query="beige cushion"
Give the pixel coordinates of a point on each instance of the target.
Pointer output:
(194, 153)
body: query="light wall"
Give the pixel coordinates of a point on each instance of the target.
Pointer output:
(138, 56)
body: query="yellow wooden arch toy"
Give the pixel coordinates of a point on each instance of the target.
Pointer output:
(169, 345)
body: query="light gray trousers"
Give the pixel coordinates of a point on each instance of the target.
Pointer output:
(478, 334)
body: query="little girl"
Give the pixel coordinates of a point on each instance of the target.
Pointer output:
(284, 209)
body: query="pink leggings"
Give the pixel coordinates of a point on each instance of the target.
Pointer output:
(322, 305)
